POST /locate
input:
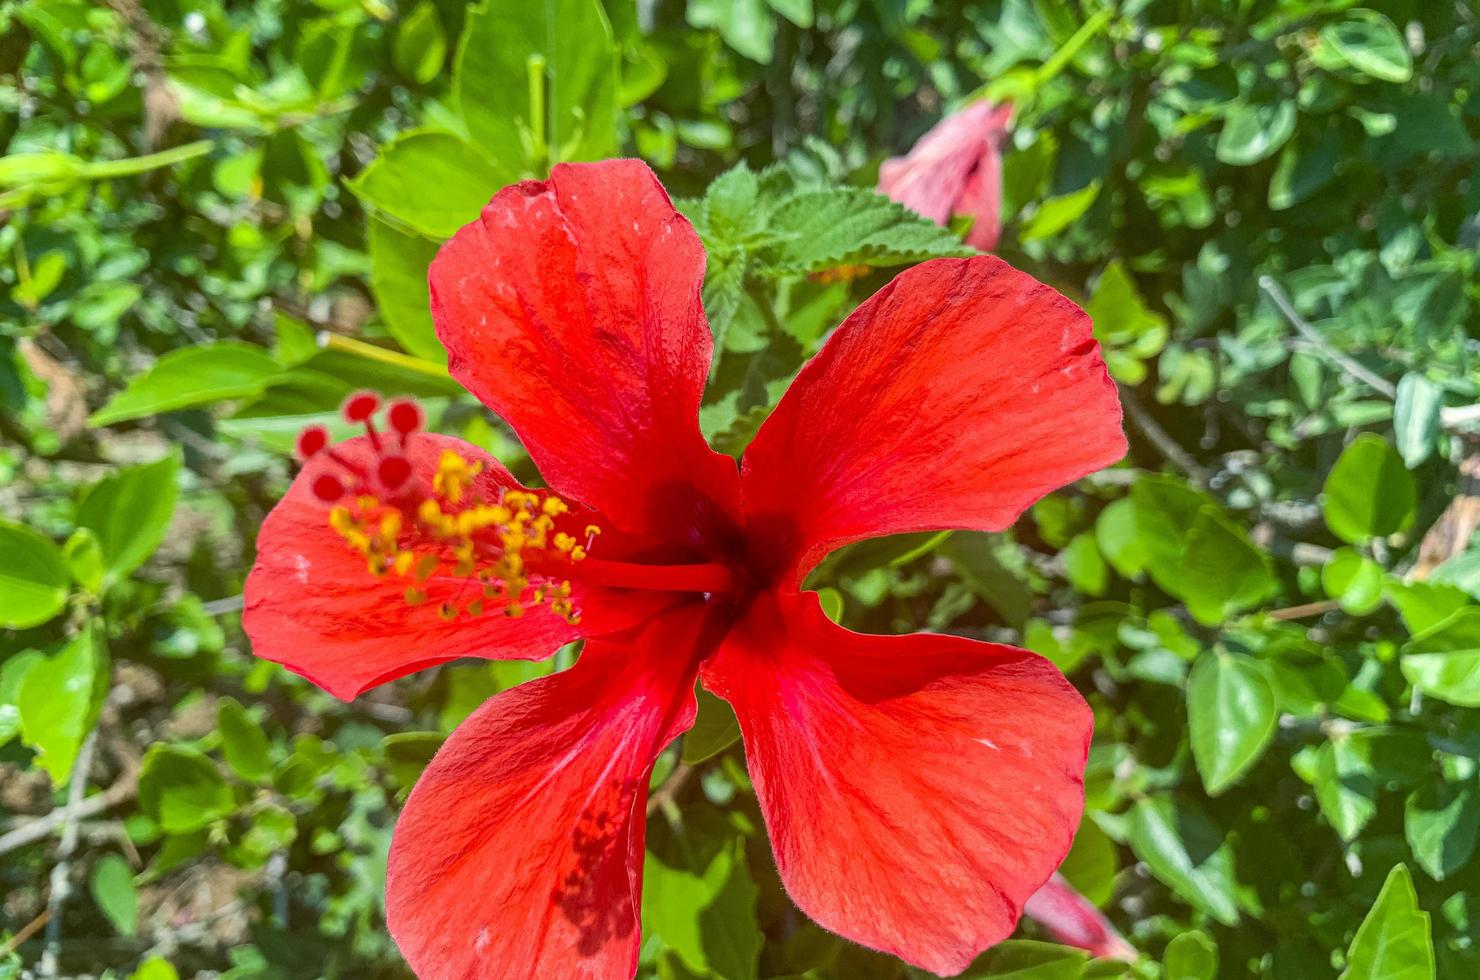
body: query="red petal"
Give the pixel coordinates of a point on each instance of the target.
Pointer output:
(571, 308)
(519, 853)
(1072, 919)
(917, 789)
(954, 397)
(313, 606)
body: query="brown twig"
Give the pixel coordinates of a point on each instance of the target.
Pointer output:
(664, 795)
(1307, 610)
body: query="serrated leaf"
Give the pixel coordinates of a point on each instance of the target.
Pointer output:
(847, 226)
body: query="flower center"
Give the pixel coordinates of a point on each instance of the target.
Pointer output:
(510, 551)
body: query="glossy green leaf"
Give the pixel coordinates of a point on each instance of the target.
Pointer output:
(189, 377)
(420, 48)
(1231, 716)
(1444, 660)
(715, 729)
(1187, 852)
(1442, 824)
(129, 512)
(57, 700)
(1025, 959)
(1353, 768)
(432, 182)
(1393, 941)
(699, 897)
(33, 577)
(1369, 493)
(398, 278)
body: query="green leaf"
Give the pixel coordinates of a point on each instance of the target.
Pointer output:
(1371, 44)
(699, 897)
(112, 886)
(408, 753)
(1221, 572)
(1442, 823)
(182, 790)
(421, 44)
(243, 742)
(1092, 863)
(745, 25)
(33, 577)
(1353, 768)
(1124, 324)
(129, 512)
(1353, 580)
(816, 230)
(1424, 605)
(188, 377)
(1253, 132)
(431, 181)
(1025, 959)
(1084, 566)
(715, 729)
(562, 47)
(1444, 660)
(1187, 852)
(57, 702)
(1190, 956)
(155, 968)
(1416, 417)
(1393, 942)
(398, 278)
(13, 670)
(1369, 493)
(1058, 213)
(84, 558)
(1231, 714)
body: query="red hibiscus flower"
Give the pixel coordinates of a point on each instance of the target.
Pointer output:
(917, 789)
(956, 168)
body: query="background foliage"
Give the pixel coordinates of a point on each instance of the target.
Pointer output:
(217, 217)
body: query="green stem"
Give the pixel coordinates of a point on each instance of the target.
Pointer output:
(540, 150)
(104, 169)
(333, 341)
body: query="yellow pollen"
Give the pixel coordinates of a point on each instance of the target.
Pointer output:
(499, 547)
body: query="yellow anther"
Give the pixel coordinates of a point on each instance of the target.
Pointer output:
(564, 542)
(341, 520)
(367, 502)
(513, 610)
(577, 553)
(447, 612)
(429, 512)
(425, 566)
(402, 562)
(475, 608)
(415, 596)
(554, 506)
(592, 531)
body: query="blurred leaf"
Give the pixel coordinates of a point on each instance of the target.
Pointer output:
(1231, 716)
(84, 558)
(1393, 941)
(188, 377)
(1370, 43)
(565, 47)
(1058, 213)
(112, 885)
(129, 511)
(1190, 956)
(746, 25)
(1368, 493)
(1416, 417)
(715, 729)
(33, 577)
(1254, 131)
(1023, 959)
(181, 789)
(408, 753)
(155, 968)
(1353, 580)
(243, 742)
(1187, 852)
(421, 45)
